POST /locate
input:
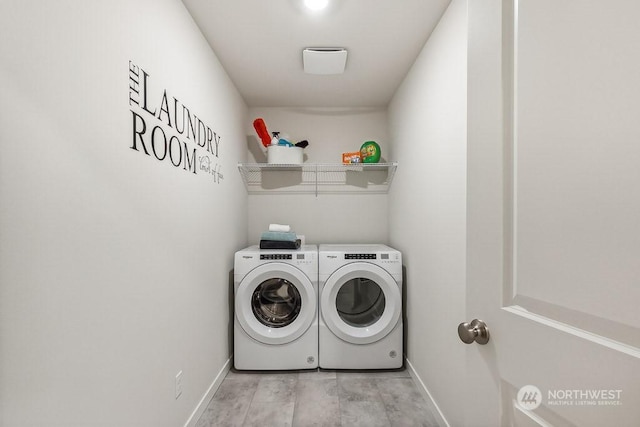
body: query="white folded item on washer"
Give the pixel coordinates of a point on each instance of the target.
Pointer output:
(279, 227)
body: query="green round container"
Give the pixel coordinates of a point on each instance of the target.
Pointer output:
(370, 152)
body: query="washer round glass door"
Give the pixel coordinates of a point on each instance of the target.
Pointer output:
(361, 303)
(275, 303)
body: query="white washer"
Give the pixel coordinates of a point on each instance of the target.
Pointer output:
(276, 309)
(360, 324)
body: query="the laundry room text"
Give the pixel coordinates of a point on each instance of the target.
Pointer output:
(167, 130)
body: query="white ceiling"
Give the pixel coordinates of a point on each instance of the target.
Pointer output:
(260, 43)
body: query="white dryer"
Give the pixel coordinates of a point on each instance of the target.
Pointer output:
(360, 324)
(276, 309)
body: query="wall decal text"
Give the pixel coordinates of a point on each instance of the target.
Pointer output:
(168, 131)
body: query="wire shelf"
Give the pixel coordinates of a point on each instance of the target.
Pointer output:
(317, 178)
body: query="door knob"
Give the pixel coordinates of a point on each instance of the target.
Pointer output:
(476, 331)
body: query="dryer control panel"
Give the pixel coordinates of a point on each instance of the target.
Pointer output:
(334, 257)
(383, 257)
(362, 256)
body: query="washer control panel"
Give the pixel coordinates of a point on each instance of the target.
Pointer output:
(278, 256)
(296, 258)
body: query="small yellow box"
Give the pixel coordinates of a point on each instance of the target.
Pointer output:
(352, 157)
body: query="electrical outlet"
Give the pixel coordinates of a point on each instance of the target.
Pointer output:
(178, 384)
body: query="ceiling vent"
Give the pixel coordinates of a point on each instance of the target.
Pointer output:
(324, 60)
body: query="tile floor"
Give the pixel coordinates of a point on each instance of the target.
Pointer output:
(318, 398)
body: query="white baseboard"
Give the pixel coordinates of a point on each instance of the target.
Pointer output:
(442, 421)
(204, 402)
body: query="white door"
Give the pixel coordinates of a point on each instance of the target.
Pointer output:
(554, 212)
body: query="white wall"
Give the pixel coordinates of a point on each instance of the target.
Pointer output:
(114, 266)
(427, 203)
(343, 218)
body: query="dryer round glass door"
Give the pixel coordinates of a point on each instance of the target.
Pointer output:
(275, 303)
(361, 303)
